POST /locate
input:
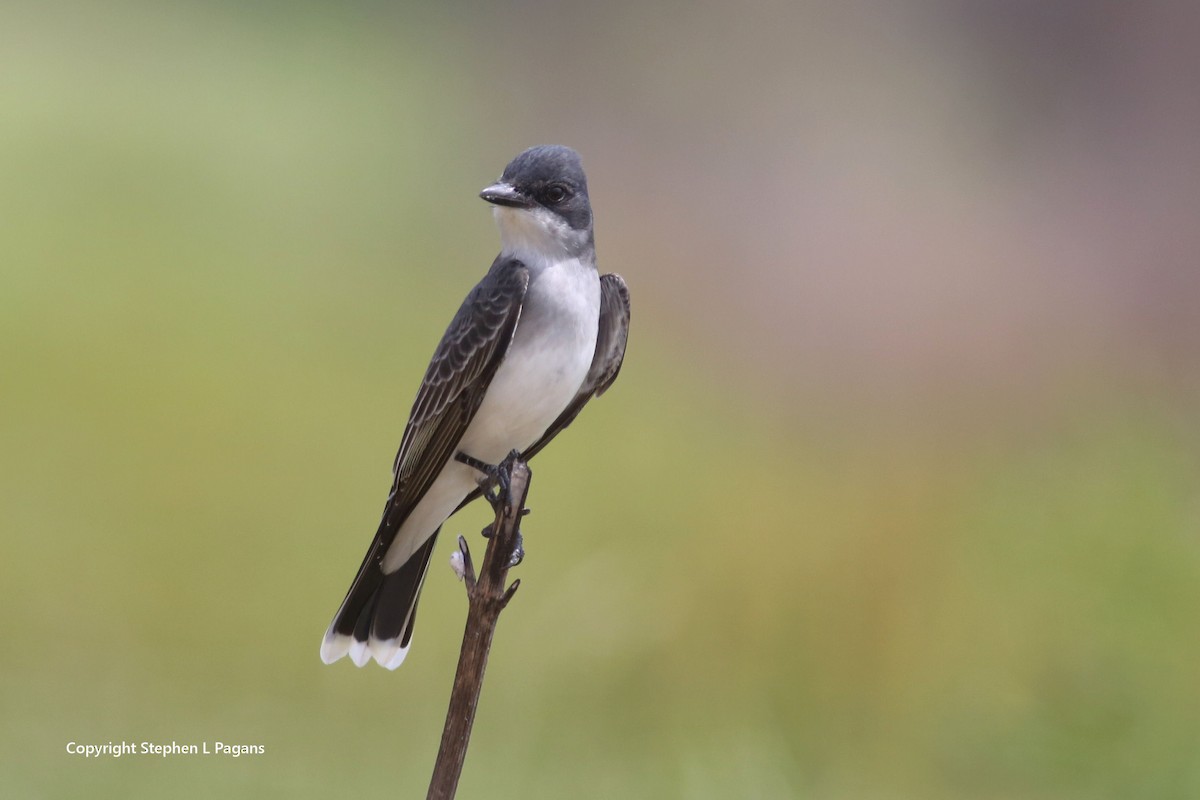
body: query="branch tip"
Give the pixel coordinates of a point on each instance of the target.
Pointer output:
(508, 594)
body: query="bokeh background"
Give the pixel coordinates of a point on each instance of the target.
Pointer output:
(896, 497)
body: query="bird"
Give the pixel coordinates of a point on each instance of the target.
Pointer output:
(541, 334)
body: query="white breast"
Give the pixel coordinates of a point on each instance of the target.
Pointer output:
(544, 368)
(546, 363)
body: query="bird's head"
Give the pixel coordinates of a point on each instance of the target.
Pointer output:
(541, 204)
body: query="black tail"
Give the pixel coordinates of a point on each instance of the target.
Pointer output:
(376, 618)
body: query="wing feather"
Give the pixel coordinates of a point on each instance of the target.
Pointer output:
(455, 382)
(453, 387)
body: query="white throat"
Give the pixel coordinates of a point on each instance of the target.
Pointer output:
(535, 236)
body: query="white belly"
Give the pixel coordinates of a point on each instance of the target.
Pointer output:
(545, 366)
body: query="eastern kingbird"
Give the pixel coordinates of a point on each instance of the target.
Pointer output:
(541, 335)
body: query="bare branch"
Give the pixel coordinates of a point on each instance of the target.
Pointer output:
(486, 597)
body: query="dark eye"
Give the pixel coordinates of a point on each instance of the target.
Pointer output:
(555, 193)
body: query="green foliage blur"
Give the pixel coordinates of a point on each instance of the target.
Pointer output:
(230, 238)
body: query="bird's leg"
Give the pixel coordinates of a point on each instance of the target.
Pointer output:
(494, 477)
(497, 476)
(490, 478)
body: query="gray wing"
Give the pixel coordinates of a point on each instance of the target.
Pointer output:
(455, 382)
(462, 367)
(606, 362)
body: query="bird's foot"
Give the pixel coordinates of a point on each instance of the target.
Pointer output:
(495, 483)
(495, 479)
(518, 553)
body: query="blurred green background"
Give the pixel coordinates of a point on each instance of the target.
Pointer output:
(897, 495)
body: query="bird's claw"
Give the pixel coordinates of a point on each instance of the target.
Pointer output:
(496, 478)
(518, 553)
(495, 482)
